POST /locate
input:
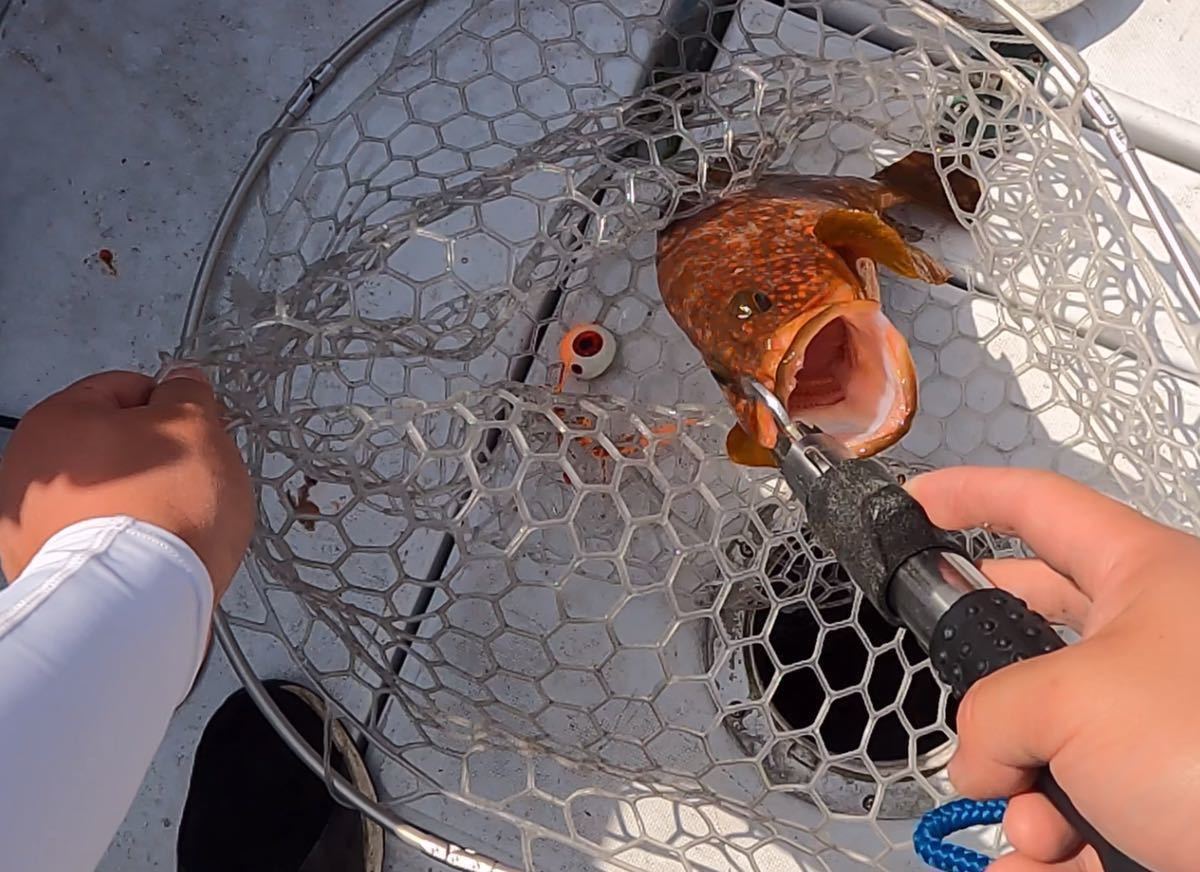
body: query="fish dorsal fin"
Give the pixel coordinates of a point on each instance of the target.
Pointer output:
(855, 233)
(915, 178)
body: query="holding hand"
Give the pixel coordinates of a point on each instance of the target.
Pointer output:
(117, 443)
(1116, 716)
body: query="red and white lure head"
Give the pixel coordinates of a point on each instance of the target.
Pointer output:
(587, 351)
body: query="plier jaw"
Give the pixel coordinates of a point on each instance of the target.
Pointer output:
(804, 453)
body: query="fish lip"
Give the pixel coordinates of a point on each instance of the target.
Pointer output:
(793, 336)
(772, 372)
(754, 416)
(803, 330)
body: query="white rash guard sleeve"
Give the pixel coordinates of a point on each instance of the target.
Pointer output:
(100, 639)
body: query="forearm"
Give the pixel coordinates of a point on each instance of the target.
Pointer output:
(100, 639)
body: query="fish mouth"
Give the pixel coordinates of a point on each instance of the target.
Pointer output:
(848, 371)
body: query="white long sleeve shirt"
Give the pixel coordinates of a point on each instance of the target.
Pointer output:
(100, 639)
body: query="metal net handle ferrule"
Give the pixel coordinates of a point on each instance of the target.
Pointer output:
(341, 789)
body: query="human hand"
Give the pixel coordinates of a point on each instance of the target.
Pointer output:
(1116, 716)
(118, 444)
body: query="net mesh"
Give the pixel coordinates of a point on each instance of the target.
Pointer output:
(570, 632)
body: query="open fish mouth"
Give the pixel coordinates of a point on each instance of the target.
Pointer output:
(848, 371)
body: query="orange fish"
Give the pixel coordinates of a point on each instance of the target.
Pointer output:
(780, 283)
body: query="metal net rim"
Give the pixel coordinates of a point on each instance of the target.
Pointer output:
(203, 285)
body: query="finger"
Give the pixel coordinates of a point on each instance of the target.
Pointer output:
(1013, 722)
(185, 386)
(1049, 593)
(1084, 861)
(117, 389)
(1079, 532)
(1037, 829)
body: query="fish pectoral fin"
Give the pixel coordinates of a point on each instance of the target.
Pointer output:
(855, 234)
(742, 448)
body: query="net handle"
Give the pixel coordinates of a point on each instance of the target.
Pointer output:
(1101, 112)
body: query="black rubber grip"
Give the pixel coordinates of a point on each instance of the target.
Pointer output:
(984, 631)
(987, 630)
(859, 512)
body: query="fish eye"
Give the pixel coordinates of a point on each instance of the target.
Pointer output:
(745, 305)
(741, 305)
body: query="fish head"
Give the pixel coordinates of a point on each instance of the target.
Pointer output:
(784, 290)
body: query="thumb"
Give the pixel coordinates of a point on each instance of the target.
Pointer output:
(116, 389)
(1014, 722)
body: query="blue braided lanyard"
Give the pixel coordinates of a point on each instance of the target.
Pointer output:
(929, 837)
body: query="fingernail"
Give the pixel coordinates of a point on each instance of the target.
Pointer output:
(185, 371)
